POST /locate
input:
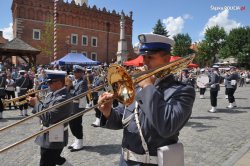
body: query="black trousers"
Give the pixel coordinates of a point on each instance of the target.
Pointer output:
(76, 127)
(1, 103)
(97, 111)
(51, 157)
(10, 94)
(213, 98)
(202, 91)
(23, 106)
(226, 89)
(242, 81)
(230, 92)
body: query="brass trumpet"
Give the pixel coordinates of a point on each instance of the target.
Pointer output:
(122, 86)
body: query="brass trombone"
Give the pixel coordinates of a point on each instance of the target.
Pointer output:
(122, 86)
(16, 100)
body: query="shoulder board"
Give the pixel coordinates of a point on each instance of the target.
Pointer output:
(62, 97)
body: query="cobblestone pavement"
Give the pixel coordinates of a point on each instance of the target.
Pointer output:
(209, 139)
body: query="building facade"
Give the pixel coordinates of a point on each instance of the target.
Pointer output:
(80, 28)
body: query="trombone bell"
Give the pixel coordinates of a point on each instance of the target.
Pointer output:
(122, 84)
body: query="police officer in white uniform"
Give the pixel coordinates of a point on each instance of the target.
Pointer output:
(164, 105)
(79, 86)
(53, 142)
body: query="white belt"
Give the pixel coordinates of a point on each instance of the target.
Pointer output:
(44, 128)
(23, 88)
(75, 101)
(142, 158)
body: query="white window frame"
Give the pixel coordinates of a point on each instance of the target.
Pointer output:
(95, 56)
(85, 52)
(87, 40)
(73, 51)
(36, 30)
(71, 38)
(92, 38)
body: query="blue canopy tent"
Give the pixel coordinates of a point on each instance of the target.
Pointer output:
(75, 59)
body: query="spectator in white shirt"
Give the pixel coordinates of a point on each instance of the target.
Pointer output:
(10, 88)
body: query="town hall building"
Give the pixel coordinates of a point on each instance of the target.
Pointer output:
(80, 28)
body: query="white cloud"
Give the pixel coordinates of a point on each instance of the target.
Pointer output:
(175, 25)
(8, 32)
(187, 16)
(222, 20)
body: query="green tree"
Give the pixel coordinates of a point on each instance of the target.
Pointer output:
(160, 29)
(210, 47)
(47, 39)
(182, 44)
(203, 53)
(237, 45)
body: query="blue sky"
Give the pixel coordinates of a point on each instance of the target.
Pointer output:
(179, 16)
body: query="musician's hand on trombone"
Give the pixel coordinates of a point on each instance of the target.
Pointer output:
(148, 81)
(106, 107)
(32, 101)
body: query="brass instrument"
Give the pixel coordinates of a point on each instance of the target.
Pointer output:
(89, 95)
(16, 101)
(123, 89)
(68, 82)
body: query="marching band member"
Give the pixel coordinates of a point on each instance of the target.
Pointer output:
(162, 108)
(98, 80)
(187, 77)
(231, 85)
(202, 89)
(53, 141)
(214, 88)
(80, 86)
(225, 81)
(2, 93)
(22, 84)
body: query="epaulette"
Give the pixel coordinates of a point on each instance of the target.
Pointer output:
(62, 97)
(48, 94)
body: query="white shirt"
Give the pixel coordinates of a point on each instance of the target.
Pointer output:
(10, 85)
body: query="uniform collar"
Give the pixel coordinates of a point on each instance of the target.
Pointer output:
(165, 80)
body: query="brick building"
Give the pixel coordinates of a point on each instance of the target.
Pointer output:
(2, 39)
(83, 29)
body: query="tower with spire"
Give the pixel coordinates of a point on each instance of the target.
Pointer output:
(80, 2)
(122, 53)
